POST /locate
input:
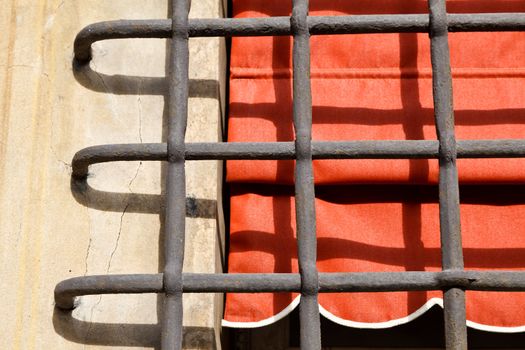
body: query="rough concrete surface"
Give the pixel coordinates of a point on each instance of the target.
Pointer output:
(51, 228)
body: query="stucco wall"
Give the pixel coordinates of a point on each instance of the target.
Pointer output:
(53, 229)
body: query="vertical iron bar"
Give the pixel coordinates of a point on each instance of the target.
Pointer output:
(449, 217)
(452, 255)
(171, 338)
(310, 328)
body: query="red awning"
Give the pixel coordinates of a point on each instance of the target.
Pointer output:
(377, 215)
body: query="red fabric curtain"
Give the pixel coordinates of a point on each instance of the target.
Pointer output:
(377, 215)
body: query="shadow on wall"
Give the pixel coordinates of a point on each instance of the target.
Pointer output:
(119, 334)
(123, 334)
(132, 85)
(137, 202)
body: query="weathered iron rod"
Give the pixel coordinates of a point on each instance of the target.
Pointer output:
(449, 216)
(285, 150)
(511, 281)
(268, 26)
(175, 215)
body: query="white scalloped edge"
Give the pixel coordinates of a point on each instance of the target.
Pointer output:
(368, 325)
(286, 311)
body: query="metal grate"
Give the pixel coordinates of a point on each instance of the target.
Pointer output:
(453, 280)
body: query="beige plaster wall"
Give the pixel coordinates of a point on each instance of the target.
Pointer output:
(52, 229)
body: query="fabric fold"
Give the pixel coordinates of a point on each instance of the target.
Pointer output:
(377, 215)
(377, 229)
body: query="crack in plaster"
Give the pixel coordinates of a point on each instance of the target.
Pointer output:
(97, 303)
(101, 78)
(88, 250)
(130, 184)
(88, 253)
(115, 247)
(108, 91)
(133, 179)
(90, 327)
(139, 110)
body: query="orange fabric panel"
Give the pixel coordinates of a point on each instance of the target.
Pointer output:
(377, 87)
(377, 228)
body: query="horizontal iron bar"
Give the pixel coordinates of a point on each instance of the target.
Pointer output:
(267, 26)
(285, 150)
(119, 152)
(67, 290)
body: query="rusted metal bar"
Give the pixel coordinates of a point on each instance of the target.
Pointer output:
(111, 153)
(175, 225)
(309, 317)
(449, 216)
(318, 25)
(453, 280)
(66, 291)
(511, 281)
(285, 150)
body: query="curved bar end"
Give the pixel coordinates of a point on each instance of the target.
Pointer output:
(80, 167)
(82, 46)
(63, 299)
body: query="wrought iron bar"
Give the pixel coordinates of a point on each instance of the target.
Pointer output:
(318, 25)
(309, 317)
(175, 228)
(285, 150)
(450, 228)
(453, 280)
(514, 281)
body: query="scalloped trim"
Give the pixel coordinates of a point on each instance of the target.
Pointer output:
(286, 311)
(368, 325)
